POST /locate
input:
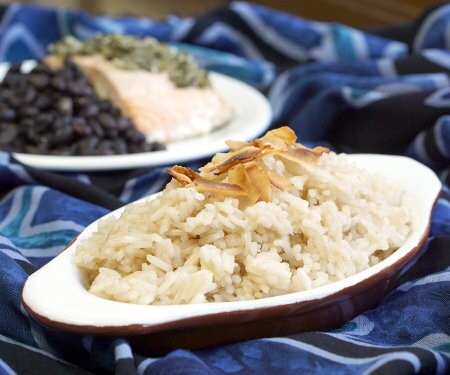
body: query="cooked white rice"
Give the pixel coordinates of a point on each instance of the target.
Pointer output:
(189, 247)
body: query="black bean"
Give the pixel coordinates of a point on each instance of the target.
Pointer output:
(111, 133)
(106, 120)
(134, 136)
(72, 68)
(59, 151)
(32, 135)
(33, 149)
(27, 123)
(62, 135)
(89, 110)
(43, 127)
(115, 112)
(134, 148)
(96, 128)
(15, 67)
(120, 146)
(43, 102)
(7, 114)
(29, 111)
(80, 127)
(105, 105)
(105, 147)
(145, 147)
(39, 148)
(124, 123)
(59, 113)
(72, 148)
(87, 145)
(39, 80)
(86, 91)
(42, 68)
(4, 95)
(30, 94)
(62, 122)
(12, 79)
(157, 146)
(79, 102)
(58, 83)
(13, 100)
(8, 133)
(76, 88)
(44, 118)
(65, 106)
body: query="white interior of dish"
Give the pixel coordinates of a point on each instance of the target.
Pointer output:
(251, 116)
(56, 290)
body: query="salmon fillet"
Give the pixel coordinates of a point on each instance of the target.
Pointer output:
(157, 107)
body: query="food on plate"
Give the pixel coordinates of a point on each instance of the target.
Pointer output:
(108, 95)
(269, 217)
(166, 94)
(131, 53)
(57, 111)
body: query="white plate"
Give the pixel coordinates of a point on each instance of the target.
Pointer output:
(251, 116)
(56, 296)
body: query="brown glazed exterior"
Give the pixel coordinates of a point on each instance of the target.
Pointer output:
(228, 327)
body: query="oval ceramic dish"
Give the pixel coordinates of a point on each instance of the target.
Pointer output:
(56, 296)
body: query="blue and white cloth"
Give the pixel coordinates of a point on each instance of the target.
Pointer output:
(385, 92)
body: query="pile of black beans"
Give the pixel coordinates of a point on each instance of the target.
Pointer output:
(57, 112)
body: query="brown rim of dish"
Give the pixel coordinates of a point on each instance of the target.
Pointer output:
(242, 316)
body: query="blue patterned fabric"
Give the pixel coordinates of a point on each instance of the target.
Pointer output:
(354, 91)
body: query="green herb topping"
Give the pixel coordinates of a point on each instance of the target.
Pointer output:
(128, 52)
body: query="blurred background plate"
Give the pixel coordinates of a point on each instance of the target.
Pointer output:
(251, 116)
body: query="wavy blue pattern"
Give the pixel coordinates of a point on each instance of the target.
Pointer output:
(341, 69)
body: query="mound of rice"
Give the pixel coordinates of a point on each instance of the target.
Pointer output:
(189, 247)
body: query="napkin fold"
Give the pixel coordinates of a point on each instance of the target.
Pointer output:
(386, 91)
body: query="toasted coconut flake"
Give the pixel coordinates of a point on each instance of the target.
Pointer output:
(259, 178)
(216, 160)
(188, 177)
(284, 133)
(207, 167)
(220, 157)
(279, 181)
(298, 165)
(235, 145)
(247, 177)
(205, 185)
(239, 176)
(182, 174)
(303, 155)
(271, 142)
(246, 154)
(299, 159)
(319, 150)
